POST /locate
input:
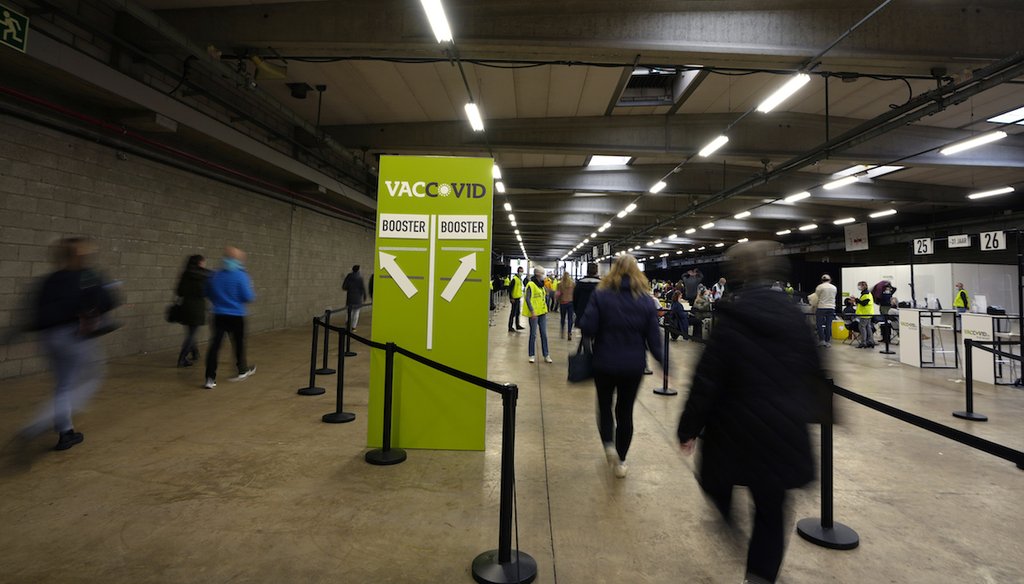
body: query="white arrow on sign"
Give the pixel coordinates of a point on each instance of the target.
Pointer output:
(468, 264)
(387, 262)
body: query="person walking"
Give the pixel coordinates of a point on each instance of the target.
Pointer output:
(566, 288)
(622, 320)
(865, 312)
(718, 290)
(69, 310)
(750, 403)
(192, 291)
(356, 295)
(826, 310)
(536, 309)
(229, 290)
(961, 300)
(515, 295)
(583, 291)
(691, 282)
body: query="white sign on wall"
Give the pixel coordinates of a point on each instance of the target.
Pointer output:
(993, 240)
(607, 249)
(856, 237)
(956, 241)
(596, 251)
(923, 246)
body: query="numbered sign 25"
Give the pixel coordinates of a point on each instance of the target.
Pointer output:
(923, 246)
(993, 240)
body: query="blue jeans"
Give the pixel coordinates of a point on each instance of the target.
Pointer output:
(824, 318)
(77, 364)
(541, 323)
(567, 312)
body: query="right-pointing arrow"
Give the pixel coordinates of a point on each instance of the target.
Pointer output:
(387, 262)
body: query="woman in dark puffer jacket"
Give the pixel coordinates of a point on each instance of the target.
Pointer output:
(191, 289)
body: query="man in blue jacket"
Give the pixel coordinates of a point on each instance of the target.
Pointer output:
(229, 290)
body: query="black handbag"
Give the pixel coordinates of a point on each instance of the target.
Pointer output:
(174, 312)
(581, 364)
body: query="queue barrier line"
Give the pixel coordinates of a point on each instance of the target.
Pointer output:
(968, 412)
(825, 531)
(503, 565)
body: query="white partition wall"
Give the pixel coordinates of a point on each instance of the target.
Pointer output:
(994, 282)
(899, 275)
(936, 279)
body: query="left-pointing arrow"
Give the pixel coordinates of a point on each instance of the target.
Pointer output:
(387, 262)
(467, 265)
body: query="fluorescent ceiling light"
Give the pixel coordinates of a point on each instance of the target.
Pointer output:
(701, 248)
(601, 229)
(692, 249)
(885, 213)
(973, 142)
(513, 224)
(869, 171)
(680, 252)
(586, 241)
(508, 206)
(496, 172)
(708, 225)
(517, 232)
(650, 244)
(848, 180)
(664, 255)
(851, 171)
(880, 170)
(808, 227)
(673, 236)
(690, 231)
(719, 245)
(744, 240)
(657, 241)
(1012, 117)
(713, 146)
(784, 232)
(658, 187)
(511, 217)
(742, 215)
(631, 207)
(599, 160)
(438, 21)
(500, 186)
(475, 121)
(607, 224)
(991, 193)
(800, 196)
(783, 93)
(843, 221)
(519, 237)
(592, 235)
(620, 214)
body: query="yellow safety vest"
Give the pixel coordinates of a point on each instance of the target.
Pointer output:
(869, 308)
(506, 282)
(535, 297)
(961, 300)
(517, 288)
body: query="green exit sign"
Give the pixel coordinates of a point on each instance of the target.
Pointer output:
(13, 28)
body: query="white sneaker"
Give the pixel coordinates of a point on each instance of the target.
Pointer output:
(828, 344)
(547, 359)
(210, 384)
(621, 469)
(611, 454)
(243, 376)
(533, 359)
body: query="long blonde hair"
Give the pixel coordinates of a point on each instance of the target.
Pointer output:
(626, 265)
(567, 281)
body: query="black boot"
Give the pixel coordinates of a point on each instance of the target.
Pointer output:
(69, 439)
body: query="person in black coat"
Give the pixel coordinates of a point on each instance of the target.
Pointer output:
(757, 386)
(678, 317)
(622, 320)
(355, 296)
(584, 289)
(192, 292)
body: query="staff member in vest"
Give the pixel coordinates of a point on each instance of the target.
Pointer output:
(535, 307)
(515, 295)
(865, 312)
(961, 301)
(826, 310)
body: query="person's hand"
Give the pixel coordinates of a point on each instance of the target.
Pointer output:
(688, 446)
(533, 318)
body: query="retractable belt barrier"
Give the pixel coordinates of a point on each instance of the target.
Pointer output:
(665, 389)
(969, 413)
(824, 531)
(503, 565)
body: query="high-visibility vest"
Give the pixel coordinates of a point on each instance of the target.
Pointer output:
(869, 308)
(505, 282)
(535, 297)
(961, 299)
(517, 288)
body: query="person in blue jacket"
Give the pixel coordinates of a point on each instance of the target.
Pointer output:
(623, 322)
(229, 290)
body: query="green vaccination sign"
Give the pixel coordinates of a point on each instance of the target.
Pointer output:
(432, 294)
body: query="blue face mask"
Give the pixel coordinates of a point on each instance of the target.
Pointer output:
(231, 264)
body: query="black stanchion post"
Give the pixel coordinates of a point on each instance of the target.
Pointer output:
(887, 336)
(324, 369)
(824, 531)
(386, 455)
(969, 413)
(339, 415)
(312, 389)
(505, 565)
(348, 338)
(664, 389)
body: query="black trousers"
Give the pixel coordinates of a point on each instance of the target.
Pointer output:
(235, 327)
(617, 428)
(767, 541)
(189, 344)
(513, 317)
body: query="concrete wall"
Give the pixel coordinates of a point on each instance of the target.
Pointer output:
(147, 218)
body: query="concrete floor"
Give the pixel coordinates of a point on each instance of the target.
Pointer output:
(245, 484)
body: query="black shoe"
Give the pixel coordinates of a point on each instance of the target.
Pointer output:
(69, 439)
(194, 355)
(184, 363)
(648, 372)
(520, 328)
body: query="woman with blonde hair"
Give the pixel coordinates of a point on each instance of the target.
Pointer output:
(622, 321)
(566, 287)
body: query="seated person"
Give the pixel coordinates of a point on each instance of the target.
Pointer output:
(678, 320)
(850, 313)
(701, 310)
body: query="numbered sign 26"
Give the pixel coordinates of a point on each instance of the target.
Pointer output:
(993, 240)
(923, 246)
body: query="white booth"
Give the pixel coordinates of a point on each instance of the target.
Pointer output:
(995, 282)
(928, 338)
(1000, 330)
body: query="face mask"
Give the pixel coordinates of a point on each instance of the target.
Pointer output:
(231, 264)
